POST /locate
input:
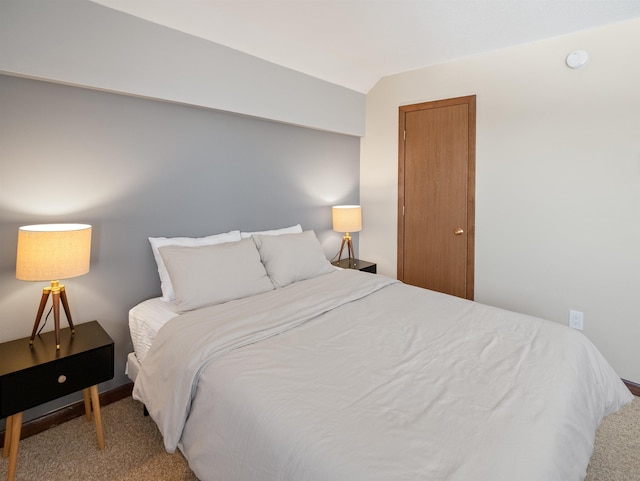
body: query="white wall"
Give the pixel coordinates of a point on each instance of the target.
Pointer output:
(558, 179)
(81, 43)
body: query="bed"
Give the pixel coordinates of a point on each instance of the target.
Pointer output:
(271, 364)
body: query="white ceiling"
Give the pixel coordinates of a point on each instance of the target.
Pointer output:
(354, 43)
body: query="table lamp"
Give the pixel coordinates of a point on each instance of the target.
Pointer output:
(53, 251)
(347, 218)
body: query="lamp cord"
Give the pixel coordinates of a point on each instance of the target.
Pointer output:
(45, 320)
(334, 257)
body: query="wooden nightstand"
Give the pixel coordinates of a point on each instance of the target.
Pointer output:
(361, 265)
(30, 376)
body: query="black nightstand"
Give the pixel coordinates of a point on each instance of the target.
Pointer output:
(361, 265)
(30, 376)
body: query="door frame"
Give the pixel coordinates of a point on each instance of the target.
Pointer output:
(471, 183)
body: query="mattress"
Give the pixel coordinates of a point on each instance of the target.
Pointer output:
(145, 320)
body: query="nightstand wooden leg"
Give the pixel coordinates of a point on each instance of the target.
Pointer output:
(95, 403)
(16, 427)
(7, 437)
(87, 402)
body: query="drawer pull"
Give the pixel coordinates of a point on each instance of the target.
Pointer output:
(62, 378)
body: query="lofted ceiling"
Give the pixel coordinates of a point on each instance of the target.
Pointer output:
(354, 43)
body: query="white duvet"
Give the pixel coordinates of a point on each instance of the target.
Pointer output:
(352, 376)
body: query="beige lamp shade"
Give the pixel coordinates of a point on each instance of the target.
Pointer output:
(53, 251)
(347, 218)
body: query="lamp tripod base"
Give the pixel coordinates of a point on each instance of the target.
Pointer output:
(346, 240)
(58, 293)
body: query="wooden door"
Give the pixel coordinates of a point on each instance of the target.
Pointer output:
(436, 193)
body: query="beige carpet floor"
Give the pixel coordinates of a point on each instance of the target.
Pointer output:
(134, 450)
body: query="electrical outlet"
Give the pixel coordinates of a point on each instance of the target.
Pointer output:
(576, 320)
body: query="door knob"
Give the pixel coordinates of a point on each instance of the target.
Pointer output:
(458, 231)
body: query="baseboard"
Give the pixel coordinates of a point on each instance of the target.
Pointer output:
(69, 412)
(633, 387)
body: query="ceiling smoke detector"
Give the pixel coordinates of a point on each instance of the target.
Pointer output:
(577, 59)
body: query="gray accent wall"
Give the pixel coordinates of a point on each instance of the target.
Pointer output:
(134, 168)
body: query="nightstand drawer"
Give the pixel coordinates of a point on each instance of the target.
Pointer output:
(50, 381)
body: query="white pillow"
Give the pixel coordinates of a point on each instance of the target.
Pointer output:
(294, 229)
(207, 275)
(292, 257)
(157, 242)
